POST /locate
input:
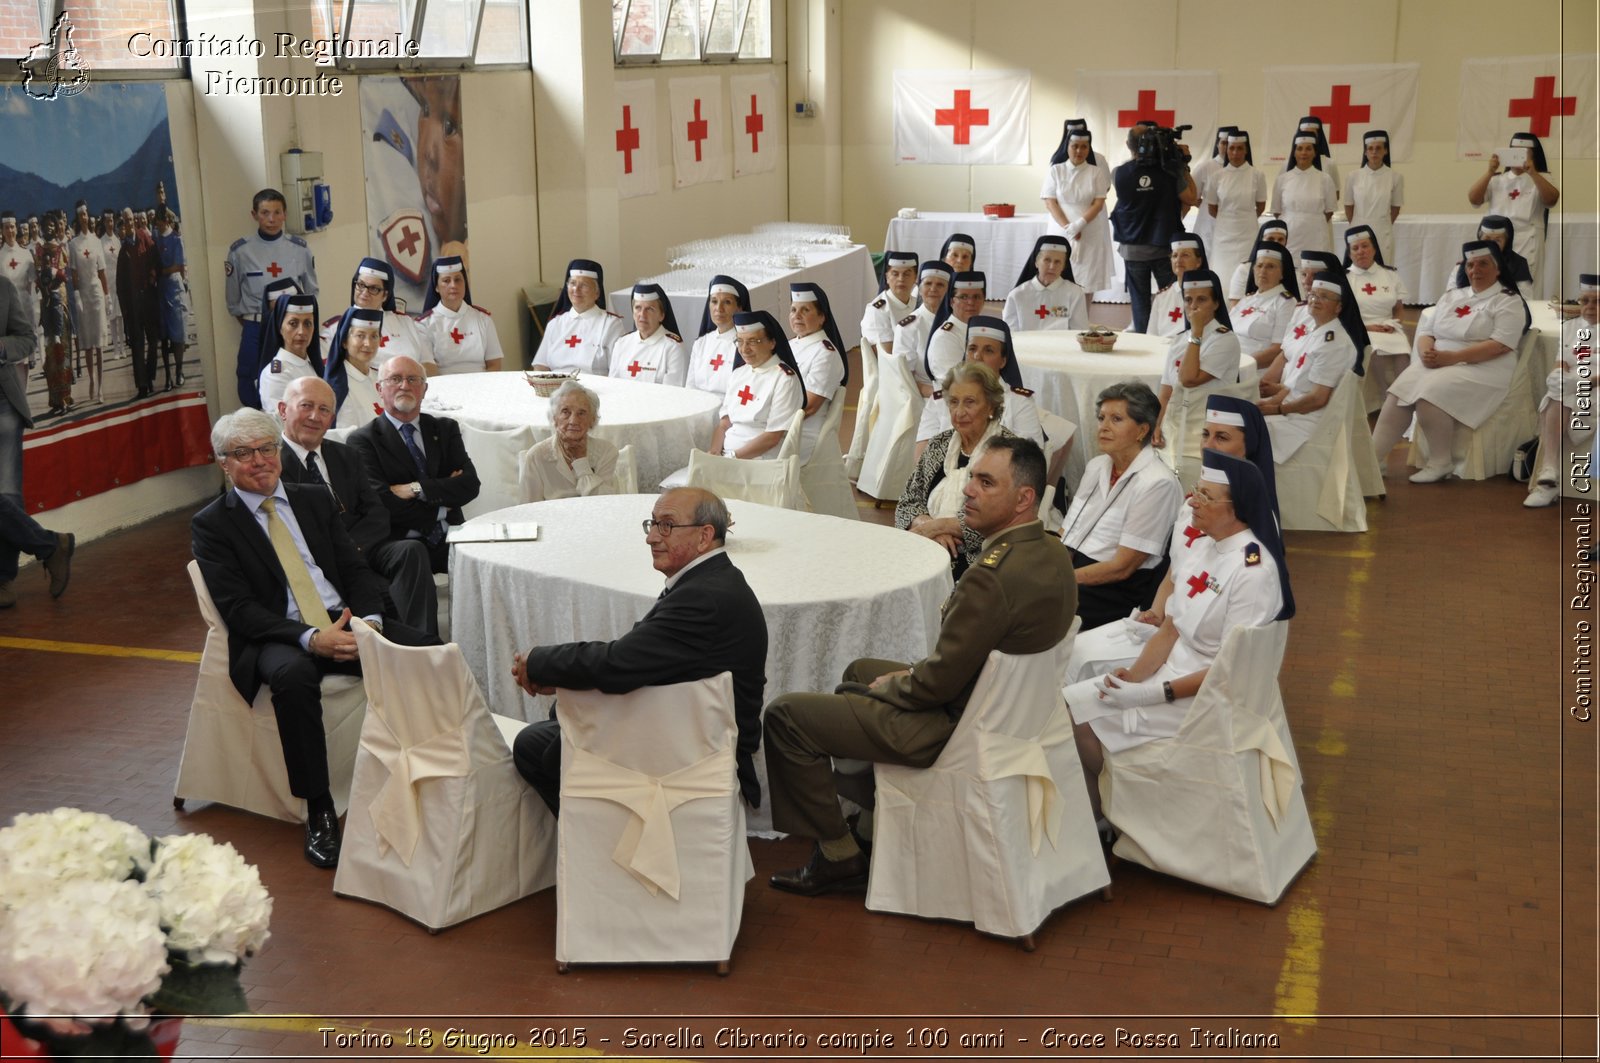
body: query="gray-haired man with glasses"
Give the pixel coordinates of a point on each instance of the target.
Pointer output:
(706, 622)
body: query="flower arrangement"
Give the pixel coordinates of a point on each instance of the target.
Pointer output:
(102, 929)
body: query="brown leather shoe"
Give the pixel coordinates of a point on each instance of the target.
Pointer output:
(821, 875)
(59, 564)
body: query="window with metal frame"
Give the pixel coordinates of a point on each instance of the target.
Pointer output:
(449, 34)
(133, 38)
(691, 31)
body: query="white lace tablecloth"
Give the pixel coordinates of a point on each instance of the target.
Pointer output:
(1004, 245)
(1067, 379)
(845, 274)
(831, 590)
(662, 422)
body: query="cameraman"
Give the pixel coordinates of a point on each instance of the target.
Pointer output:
(1153, 188)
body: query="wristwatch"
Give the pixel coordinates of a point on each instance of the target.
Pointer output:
(416, 488)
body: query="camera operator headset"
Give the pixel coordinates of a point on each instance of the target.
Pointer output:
(1153, 190)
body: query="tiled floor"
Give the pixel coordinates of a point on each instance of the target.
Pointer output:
(1451, 909)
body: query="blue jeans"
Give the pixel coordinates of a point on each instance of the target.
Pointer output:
(1138, 274)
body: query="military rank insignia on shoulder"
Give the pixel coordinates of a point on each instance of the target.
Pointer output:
(1222, 330)
(1252, 554)
(996, 555)
(948, 326)
(674, 337)
(1022, 391)
(1327, 337)
(236, 245)
(486, 313)
(1285, 295)
(613, 313)
(878, 304)
(908, 319)
(828, 346)
(785, 367)
(277, 366)
(297, 241)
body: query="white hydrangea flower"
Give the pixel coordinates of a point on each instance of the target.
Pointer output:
(212, 903)
(93, 950)
(40, 851)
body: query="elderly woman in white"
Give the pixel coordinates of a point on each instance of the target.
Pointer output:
(570, 462)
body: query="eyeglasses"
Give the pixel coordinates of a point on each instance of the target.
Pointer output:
(266, 450)
(396, 381)
(666, 527)
(370, 289)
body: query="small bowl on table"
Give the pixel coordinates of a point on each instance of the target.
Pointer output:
(546, 383)
(1097, 339)
(999, 210)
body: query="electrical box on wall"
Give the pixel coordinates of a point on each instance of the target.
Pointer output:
(310, 198)
(805, 109)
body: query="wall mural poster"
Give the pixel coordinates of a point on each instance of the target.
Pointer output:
(416, 185)
(114, 386)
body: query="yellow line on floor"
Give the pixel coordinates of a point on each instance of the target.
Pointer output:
(92, 649)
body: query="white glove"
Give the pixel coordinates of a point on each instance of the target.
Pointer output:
(1126, 695)
(1075, 228)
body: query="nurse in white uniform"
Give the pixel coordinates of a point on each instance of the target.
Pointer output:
(1313, 125)
(1261, 318)
(1522, 193)
(989, 342)
(1046, 296)
(947, 344)
(1566, 412)
(960, 252)
(1379, 293)
(819, 354)
(1312, 366)
(372, 288)
(1514, 269)
(1166, 306)
(581, 332)
(1202, 358)
(1305, 196)
(716, 347)
(764, 391)
(1074, 193)
(654, 351)
(351, 370)
(1272, 231)
(1203, 172)
(291, 327)
(1374, 194)
(1462, 368)
(911, 331)
(1235, 197)
(463, 336)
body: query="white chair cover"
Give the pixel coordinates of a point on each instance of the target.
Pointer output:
(866, 410)
(771, 483)
(998, 832)
(1323, 486)
(441, 827)
(790, 447)
(496, 456)
(652, 858)
(822, 477)
(1220, 802)
(232, 753)
(337, 435)
(625, 481)
(1487, 450)
(891, 451)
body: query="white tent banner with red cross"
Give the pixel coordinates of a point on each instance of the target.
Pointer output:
(1349, 99)
(757, 118)
(961, 117)
(1111, 101)
(699, 131)
(634, 139)
(1550, 96)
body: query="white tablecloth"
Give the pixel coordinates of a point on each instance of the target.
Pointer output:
(831, 590)
(1430, 246)
(1003, 243)
(846, 275)
(1067, 379)
(662, 422)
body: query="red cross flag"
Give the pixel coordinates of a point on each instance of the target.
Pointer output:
(1349, 99)
(961, 117)
(699, 131)
(758, 122)
(633, 138)
(1551, 96)
(1111, 101)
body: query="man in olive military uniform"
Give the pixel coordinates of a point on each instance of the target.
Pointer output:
(1019, 598)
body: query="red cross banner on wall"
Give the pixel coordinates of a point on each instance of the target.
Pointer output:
(699, 131)
(1111, 101)
(758, 123)
(633, 138)
(961, 117)
(1552, 98)
(1349, 99)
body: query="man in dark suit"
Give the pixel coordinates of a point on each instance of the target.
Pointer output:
(287, 577)
(307, 411)
(416, 461)
(706, 622)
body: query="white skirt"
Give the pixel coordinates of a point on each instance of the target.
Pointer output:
(1123, 729)
(1289, 431)
(1106, 648)
(1469, 393)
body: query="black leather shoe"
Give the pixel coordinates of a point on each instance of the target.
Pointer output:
(853, 821)
(322, 839)
(821, 875)
(59, 564)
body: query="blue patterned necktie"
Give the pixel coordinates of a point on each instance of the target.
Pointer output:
(408, 432)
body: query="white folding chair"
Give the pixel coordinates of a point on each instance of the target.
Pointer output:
(1487, 450)
(1220, 802)
(771, 483)
(652, 859)
(232, 753)
(891, 451)
(441, 827)
(866, 409)
(998, 832)
(625, 481)
(497, 457)
(822, 475)
(1323, 486)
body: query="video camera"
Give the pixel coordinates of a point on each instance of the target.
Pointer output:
(1158, 146)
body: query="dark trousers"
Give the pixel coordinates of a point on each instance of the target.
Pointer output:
(144, 345)
(1137, 277)
(295, 679)
(406, 564)
(1104, 602)
(804, 732)
(20, 534)
(536, 752)
(249, 368)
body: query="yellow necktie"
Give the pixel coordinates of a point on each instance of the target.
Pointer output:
(306, 598)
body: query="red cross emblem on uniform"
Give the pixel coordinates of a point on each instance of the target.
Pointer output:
(1368, 288)
(1514, 193)
(633, 370)
(383, 341)
(457, 335)
(1190, 534)
(274, 269)
(1198, 583)
(572, 341)
(745, 395)
(86, 252)
(377, 408)
(1299, 332)
(1247, 311)
(1463, 311)
(1300, 361)
(1174, 314)
(1043, 311)
(13, 263)
(716, 363)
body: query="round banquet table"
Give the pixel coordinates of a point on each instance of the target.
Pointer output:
(831, 590)
(1067, 379)
(662, 422)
